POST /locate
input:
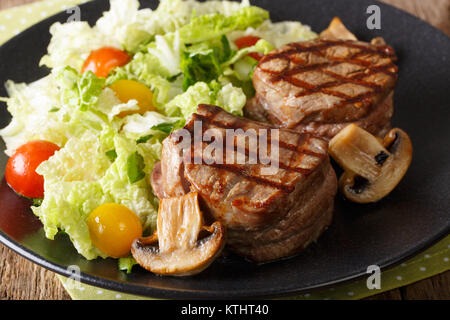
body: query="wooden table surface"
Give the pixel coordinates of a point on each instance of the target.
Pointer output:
(22, 279)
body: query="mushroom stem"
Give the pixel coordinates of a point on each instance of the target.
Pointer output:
(337, 31)
(358, 151)
(180, 251)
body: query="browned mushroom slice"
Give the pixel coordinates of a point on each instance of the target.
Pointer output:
(373, 168)
(176, 248)
(337, 31)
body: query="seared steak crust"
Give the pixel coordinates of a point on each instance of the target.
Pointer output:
(324, 82)
(289, 207)
(295, 230)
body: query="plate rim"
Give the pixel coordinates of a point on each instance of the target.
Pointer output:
(159, 293)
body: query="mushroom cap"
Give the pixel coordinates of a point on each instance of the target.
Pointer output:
(181, 262)
(373, 168)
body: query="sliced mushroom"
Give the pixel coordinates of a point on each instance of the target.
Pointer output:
(337, 31)
(372, 167)
(176, 247)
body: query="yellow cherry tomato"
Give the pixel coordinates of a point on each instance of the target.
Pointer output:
(127, 90)
(113, 228)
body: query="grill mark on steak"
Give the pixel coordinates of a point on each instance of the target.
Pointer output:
(238, 124)
(236, 169)
(389, 69)
(242, 171)
(209, 122)
(249, 176)
(299, 140)
(383, 50)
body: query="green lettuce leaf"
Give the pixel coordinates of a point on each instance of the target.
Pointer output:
(126, 264)
(59, 107)
(111, 154)
(203, 61)
(72, 190)
(151, 124)
(81, 176)
(211, 26)
(231, 99)
(127, 24)
(80, 90)
(66, 207)
(134, 195)
(135, 167)
(186, 103)
(165, 51)
(228, 97)
(262, 46)
(142, 69)
(111, 106)
(278, 33)
(239, 69)
(30, 107)
(168, 127)
(210, 60)
(72, 42)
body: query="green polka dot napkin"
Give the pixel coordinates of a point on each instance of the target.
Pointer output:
(17, 19)
(426, 264)
(433, 261)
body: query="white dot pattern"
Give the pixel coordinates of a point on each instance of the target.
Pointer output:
(16, 19)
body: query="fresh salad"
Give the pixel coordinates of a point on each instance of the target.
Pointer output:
(83, 140)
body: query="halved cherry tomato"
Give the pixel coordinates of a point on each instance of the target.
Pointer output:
(248, 41)
(21, 168)
(127, 90)
(103, 60)
(113, 228)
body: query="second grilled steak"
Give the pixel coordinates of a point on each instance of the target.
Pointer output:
(268, 215)
(322, 85)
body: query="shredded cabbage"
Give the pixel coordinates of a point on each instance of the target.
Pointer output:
(183, 51)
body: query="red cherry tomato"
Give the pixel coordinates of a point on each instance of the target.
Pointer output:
(21, 168)
(103, 60)
(248, 41)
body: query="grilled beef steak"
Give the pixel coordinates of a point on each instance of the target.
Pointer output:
(272, 209)
(322, 85)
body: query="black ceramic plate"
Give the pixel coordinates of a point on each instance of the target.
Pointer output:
(411, 218)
